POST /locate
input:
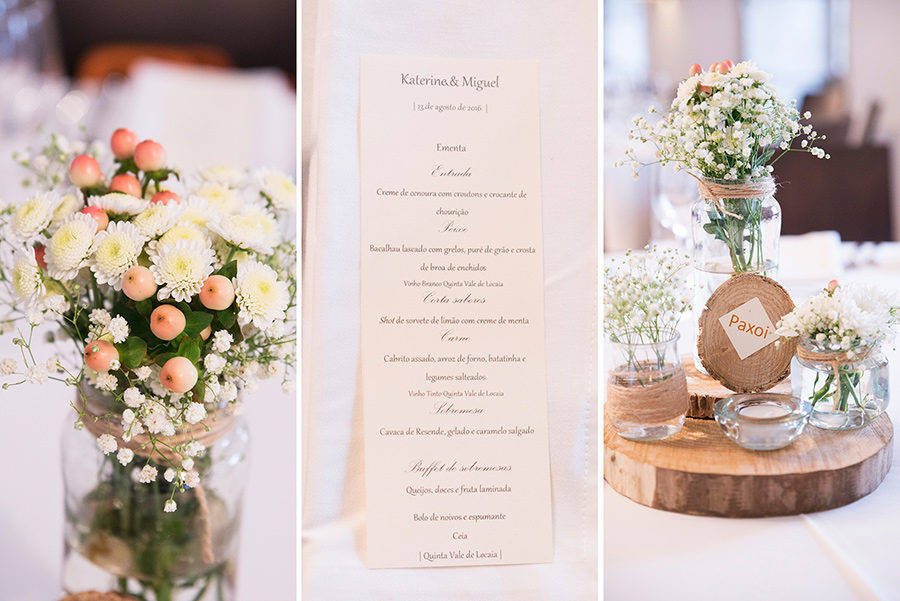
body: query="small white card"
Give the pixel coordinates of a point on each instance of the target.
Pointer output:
(749, 328)
(452, 314)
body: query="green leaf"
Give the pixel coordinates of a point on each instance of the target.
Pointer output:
(199, 391)
(229, 270)
(226, 318)
(144, 307)
(196, 322)
(161, 359)
(132, 352)
(190, 349)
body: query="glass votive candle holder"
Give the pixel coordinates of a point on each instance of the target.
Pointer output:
(762, 421)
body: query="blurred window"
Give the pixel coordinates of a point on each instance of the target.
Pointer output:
(804, 42)
(626, 51)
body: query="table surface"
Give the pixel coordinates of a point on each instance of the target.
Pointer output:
(260, 108)
(848, 553)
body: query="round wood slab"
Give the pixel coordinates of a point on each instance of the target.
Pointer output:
(704, 391)
(699, 471)
(762, 369)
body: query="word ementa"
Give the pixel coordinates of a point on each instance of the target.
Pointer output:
(743, 326)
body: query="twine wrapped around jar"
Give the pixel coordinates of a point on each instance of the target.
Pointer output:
(834, 359)
(664, 398)
(207, 431)
(757, 188)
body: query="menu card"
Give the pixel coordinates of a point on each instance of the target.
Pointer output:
(452, 313)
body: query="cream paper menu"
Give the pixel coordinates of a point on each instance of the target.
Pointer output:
(452, 326)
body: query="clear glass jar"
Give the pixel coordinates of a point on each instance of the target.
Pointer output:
(845, 393)
(118, 537)
(646, 390)
(735, 235)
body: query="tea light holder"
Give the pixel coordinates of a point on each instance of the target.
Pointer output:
(762, 421)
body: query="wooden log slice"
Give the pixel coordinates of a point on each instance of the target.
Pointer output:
(701, 472)
(704, 391)
(762, 369)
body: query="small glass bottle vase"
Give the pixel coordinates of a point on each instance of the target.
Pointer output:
(845, 392)
(118, 536)
(646, 390)
(733, 235)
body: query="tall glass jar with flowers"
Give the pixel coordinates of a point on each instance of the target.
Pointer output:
(726, 128)
(839, 366)
(176, 292)
(645, 295)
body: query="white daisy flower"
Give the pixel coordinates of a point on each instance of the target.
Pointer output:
(181, 269)
(33, 216)
(157, 219)
(107, 381)
(106, 443)
(100, 317)
(147, 474)
(222, 341)
(118, 202)
(252, 229)
(115, 251)
(260, 297)
(69, 247)
(125, 456)
(194, 413)
(27, 282)
(214, 363)
(278, 187)
(142, 373)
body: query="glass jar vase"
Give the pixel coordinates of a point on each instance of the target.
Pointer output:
(118, 534)
(846, 391)
(646, 390)
(736, 229)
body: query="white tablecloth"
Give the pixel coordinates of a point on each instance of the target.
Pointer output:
(848, 553)
(561, 36)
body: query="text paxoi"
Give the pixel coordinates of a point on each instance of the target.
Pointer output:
(743, 326)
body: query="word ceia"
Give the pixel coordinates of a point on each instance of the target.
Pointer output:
(743, 326)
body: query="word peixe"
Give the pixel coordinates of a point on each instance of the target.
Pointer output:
(743, 326)
(465, 81)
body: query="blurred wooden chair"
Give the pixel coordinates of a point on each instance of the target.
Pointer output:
(104, 60)
(849, 193)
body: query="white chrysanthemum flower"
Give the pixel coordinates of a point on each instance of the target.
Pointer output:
(278, 187)
(117, 202)
(27, 282)
(213, 363)
(260, 297)
(185, 230)
(252, 229)
(69, 247)
(107, 444)
(194, 413)
(220, 199)
(170, 506)
(142, 373)
(33, 216)
(118, 328)
(157, 219)
(147, 474)
(100, 317)
(8, 367)
(69, 205)
(222, 340)
(196, 210)
(115, 251)
(222, 175)
(180, 269)
(125, 456)
(36, 374)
